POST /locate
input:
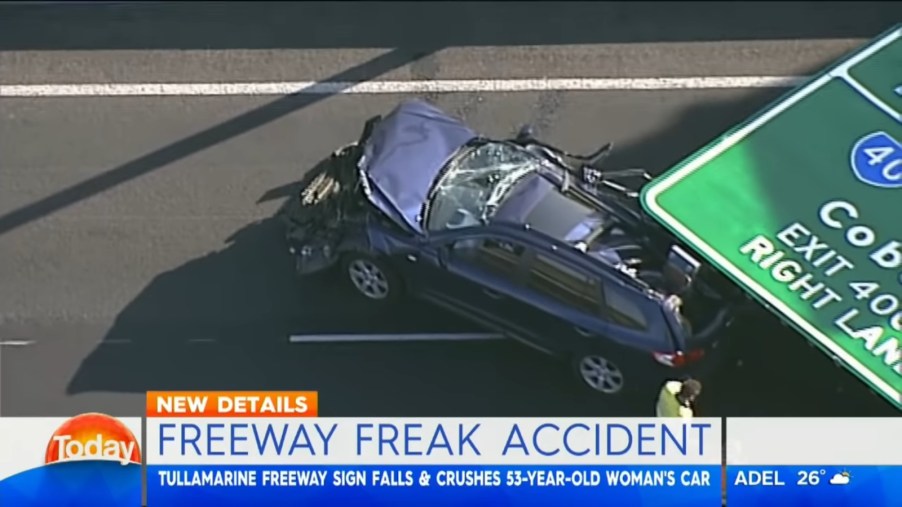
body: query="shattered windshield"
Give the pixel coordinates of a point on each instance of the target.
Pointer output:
(476, 183)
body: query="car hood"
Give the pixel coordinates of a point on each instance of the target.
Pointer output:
(403, 156)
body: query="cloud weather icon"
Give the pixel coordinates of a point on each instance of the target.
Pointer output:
(841, 479)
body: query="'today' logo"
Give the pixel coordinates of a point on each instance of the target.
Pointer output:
(876, 159)
(93, 436)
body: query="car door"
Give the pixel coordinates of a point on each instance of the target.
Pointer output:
(577, 310)
(565, 302)
(478, 276)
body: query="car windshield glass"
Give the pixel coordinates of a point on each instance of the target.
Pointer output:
(477, 182)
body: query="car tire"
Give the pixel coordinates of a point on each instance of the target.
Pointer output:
(372, 278)
(601, 373)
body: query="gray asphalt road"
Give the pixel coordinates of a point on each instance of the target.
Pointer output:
(260, 41)
(136, 253)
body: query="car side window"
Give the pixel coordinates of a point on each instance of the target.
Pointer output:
(622, 310)
(497, 256)
(569, 286)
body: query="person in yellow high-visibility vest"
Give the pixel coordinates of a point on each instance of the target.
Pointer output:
(677, 398)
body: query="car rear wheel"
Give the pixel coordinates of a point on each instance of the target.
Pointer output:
(372, 278)
(600, 373)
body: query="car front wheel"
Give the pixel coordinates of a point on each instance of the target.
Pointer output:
(599, 373)
(372, 278)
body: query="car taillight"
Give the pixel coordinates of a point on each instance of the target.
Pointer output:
(678, 359)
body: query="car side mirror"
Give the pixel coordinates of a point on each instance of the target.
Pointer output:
(526, 133)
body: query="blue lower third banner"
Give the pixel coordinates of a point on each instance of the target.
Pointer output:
(433, 486)
(820, 486)
(74, 484)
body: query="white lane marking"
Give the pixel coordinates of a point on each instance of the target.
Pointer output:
(158, 216)
(400, 87)
(420, 337)
(111, 341)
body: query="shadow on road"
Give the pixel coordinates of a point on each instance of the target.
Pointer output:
(245, 297)
(264, 25)
(200, 141)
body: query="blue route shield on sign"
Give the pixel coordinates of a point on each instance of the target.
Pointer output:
(877, 160)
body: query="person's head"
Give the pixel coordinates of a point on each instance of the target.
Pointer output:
(689, 391)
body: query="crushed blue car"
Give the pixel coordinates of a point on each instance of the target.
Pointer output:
(544, 246)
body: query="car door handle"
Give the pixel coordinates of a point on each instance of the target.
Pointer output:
(492, 294)
(583, 331)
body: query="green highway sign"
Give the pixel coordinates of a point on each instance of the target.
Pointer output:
(802, 206)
